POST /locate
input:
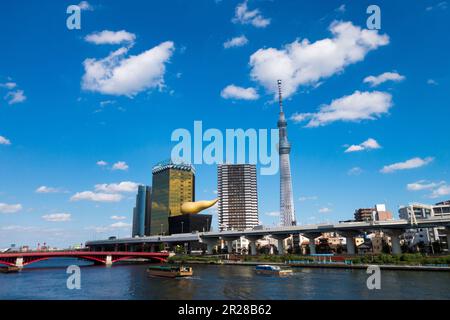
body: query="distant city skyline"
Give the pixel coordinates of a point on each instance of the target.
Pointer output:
(85, 114)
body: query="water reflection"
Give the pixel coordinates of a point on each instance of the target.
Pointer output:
(48, 281)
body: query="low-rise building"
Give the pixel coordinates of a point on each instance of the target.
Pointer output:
(379, 241)
(425, 239)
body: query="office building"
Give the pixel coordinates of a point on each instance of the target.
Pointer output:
(142, 211)
(423, 238)
(238, 196)
(379, 213)
(172, 185)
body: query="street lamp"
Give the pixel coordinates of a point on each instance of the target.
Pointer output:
(182, 223)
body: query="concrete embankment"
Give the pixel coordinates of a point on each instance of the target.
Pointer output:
(365, 266)
(324, 265)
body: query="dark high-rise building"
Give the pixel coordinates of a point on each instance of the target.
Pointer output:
(141, 211)
(148, 210)
(134, 232)
(238, 196)
(172, 185)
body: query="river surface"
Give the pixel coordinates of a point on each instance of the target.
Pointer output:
(48, 280)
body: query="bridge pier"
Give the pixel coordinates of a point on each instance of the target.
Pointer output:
(253, 251)
(108, 261)
(350, 245)
(448, 239)
(210, 244)
(252, 244)
(19, 262)
(395, 240)
(350, 240)
(312, 243)
(229, 243)
(280, 243)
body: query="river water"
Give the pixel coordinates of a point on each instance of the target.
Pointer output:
(47, 280)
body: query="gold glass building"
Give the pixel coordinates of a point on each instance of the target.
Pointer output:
(173, 184)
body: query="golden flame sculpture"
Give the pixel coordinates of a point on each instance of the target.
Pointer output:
(196, 207)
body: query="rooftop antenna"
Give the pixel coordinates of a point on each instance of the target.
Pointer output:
(280, 98)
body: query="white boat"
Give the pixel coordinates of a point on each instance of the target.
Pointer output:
(272, 270)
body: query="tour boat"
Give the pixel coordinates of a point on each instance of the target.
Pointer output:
(170, 271)
(9, 269)
(272, 270)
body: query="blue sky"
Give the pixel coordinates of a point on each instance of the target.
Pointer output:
(115, 90)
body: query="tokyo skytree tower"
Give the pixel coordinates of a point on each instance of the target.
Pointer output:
(287, 211)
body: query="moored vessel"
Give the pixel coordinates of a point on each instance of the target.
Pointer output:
(9, 269)
(272, 270)
(170, 271)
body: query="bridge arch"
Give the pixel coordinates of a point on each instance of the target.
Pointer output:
(96, 257)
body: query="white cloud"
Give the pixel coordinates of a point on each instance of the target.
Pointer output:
(14, 97)
(111, 227)
(84, 5)
(10, 208)
(300, 117)
(341, 8)
(106, 102)
(443, 190)
(96, 196)
(306, 198)
(8, 85)
(443, 5)
(324, 210)
(120, 225)
(243, 16)
(4, 141)
(45, 189)
(120, 165)
(355, 107)
(18, 228)
(306, 63)
(387, 76)
(408, 164)
(118, 217)
(110, 37)
(102, 163)
(432, 82)
(355, 171)
(98, 229)
(273, 214)
(124, 186)
(120, 75)
(236, 42)
(235, 92)
(423, 185)
(366, 145)
(438, 189)
(57, 217)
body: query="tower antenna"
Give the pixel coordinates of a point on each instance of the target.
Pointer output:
(280, 98)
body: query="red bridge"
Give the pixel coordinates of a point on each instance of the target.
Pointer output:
(21, 259)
